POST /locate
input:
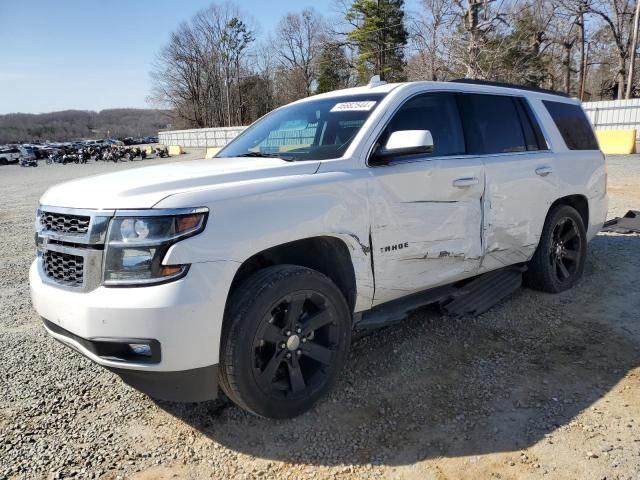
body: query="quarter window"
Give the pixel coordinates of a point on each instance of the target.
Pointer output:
(573, 125)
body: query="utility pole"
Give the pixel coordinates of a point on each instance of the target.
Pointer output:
(634, 45)
(583, 54)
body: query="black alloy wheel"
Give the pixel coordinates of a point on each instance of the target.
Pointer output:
(285, 338)
(565, 250)
(559, 259)
(294, 344)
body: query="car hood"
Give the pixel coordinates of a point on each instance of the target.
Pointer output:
(145, 187)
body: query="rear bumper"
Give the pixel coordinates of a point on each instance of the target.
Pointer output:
(598, 207)
(193, 385)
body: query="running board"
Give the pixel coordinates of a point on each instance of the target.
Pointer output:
(483, 292)
(472, 298)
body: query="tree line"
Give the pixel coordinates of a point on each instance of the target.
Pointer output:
(215, 72)
(76, 124)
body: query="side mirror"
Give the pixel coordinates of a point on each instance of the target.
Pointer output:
(406, 142)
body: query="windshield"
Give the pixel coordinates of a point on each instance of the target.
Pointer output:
(313, 130)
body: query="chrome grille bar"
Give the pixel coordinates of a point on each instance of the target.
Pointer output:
(70, 245)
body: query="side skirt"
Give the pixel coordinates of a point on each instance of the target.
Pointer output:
(471, 297)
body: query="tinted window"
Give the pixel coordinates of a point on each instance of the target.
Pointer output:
(527, 126)
(491, 124)
(537, 131)
(573, 125)
(436, 112)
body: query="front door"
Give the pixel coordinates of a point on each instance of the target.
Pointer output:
(426, 224)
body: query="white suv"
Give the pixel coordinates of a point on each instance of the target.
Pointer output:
(340, 211)
(9, 155)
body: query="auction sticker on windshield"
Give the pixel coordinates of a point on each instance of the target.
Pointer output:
(353, 106)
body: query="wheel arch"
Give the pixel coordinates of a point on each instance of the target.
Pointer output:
(330, 255)
(578, 202)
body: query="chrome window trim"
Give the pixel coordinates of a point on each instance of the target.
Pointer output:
(379, 128)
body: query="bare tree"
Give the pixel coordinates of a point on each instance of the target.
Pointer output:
(202, 65)
(480, 18)
(618, 17)
(299, 39)
(431, 34)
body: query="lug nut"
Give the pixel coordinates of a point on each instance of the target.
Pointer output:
(304, 340)
(283, 345)
(288, 333)
(288, 355)
(298, 330)
(299, 352)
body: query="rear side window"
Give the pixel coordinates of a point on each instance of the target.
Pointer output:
(573, 125)
(436, 112)
(491, 124)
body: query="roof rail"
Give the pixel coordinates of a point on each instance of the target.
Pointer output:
(508, 85)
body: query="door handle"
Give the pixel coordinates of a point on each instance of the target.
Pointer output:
(465, 182)
(543, 171)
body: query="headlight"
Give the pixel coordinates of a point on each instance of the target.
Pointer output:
(138, 241)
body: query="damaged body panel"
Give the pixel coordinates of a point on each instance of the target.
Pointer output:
(512, 227)
(425, 231)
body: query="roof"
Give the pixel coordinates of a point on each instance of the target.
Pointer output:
(466, 86)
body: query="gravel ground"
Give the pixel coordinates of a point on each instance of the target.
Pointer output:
(541, 386)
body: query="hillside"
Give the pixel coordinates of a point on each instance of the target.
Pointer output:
(73, 124)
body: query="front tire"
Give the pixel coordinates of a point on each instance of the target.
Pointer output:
(558, 263)
(285, 339)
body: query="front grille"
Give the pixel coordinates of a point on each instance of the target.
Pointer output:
(63, 268)
(64, 223)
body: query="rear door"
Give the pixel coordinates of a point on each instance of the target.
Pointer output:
(426, 209)
(520, 182)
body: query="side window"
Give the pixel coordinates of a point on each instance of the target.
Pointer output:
(537, 131)
(573, 125)
(527, 127)
(436, 112)
(491, 124)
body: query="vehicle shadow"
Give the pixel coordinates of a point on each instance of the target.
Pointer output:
(436, 386)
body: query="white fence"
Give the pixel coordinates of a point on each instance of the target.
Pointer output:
(200, 137)
(605, 115)
(614, 114)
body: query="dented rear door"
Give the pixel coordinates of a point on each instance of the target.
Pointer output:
(426, 223)
(519, 170)
(516, 204)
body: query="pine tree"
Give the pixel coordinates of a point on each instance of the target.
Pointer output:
(333, 68)
(380, 37)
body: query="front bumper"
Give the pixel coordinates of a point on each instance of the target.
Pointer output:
(184, 317)
(193, 385)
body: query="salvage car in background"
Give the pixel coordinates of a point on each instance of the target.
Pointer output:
(9, 155)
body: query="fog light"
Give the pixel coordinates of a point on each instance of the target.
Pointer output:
(141, 349)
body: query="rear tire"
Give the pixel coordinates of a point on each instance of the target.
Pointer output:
(4, 161)
(285, 338)
(558, 263)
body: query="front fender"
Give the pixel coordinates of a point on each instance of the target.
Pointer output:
(244, 221)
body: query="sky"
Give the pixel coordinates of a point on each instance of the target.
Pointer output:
(91, 55)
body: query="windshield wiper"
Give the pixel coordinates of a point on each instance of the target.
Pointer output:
(267, 155)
